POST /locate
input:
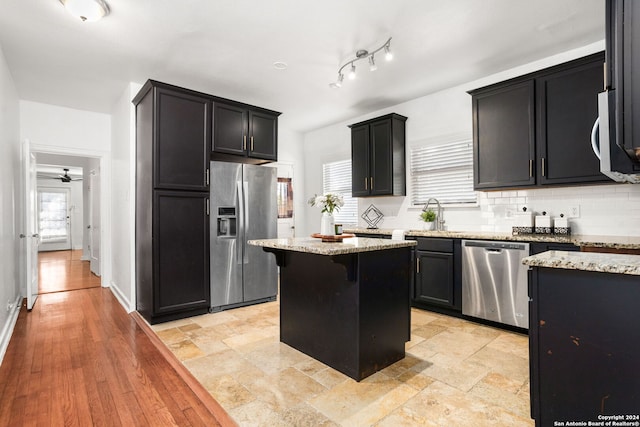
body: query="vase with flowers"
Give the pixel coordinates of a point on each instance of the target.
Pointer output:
(328, 202)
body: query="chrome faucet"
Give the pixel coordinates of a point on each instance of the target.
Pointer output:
(439, 220)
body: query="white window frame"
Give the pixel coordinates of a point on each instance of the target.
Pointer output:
(443, 170)
(336, 178)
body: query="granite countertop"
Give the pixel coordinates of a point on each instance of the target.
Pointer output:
(615, 242)
(347, 246)
(586, 261)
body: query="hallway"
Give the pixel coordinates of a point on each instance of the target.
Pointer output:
(78, 359)
(64, 271)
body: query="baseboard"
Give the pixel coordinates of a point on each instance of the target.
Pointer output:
(7, 329)
(122, 298)
(205, 397)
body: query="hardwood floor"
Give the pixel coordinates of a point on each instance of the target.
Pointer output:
(78, 359)
(64, 271)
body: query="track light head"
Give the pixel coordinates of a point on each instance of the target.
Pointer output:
(352, 72)
(372, 64)
(388, 55)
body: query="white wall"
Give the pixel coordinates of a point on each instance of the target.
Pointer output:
(10, 205)
(446, 115)
(65, 131)
(123, 157)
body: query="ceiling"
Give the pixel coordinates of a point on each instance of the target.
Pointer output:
(228, 48)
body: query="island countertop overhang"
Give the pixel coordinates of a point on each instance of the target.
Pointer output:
(351, 245)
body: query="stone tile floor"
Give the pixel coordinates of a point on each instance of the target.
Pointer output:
(455, 373)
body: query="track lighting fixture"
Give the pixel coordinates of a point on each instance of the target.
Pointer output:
(362, 54)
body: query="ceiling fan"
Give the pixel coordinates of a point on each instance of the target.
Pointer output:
(66, 177)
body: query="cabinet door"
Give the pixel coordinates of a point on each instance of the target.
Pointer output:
(381, 183)
(263, 142)
(230, 127)
(360, 173)
(434, 278)
(181, 251)
(181, 155)
(503, 136)
(567, 109)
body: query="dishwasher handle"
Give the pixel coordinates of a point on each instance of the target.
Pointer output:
(493, 250)
(492, 244)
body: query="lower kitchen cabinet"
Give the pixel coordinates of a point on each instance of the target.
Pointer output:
(437, 281)
(172, 254)
(584, 344)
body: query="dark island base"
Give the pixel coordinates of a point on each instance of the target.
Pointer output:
(350, 312)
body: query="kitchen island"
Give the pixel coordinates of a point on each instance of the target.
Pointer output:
(584, 336)
(346, 303)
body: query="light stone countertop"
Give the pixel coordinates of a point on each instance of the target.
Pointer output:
(347, 246)
(586, 261)
(614, 242)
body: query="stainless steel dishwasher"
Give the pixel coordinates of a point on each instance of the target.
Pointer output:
(494, 281)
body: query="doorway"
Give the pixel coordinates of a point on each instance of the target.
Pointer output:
(66, 212)
(284, 192)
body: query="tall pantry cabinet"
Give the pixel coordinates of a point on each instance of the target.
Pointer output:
(172, 202)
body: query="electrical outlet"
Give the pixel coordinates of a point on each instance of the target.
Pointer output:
(574, 211)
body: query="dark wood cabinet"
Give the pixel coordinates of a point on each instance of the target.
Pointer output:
(567, 108)
(181, 146)
(623, 92)
(172, 223)
(535, 130)
(503, 136)
(437, 280)
(243, 134)
(181, 252)
(434, 278)
(584, 344)
(378, 157)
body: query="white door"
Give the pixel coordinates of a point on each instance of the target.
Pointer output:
(284, 193)
(94, 218)
(30, 234)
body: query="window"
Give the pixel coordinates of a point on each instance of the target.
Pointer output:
(443, 171)
(336, 178)
(53, 215)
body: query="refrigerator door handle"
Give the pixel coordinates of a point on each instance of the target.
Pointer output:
(241, 228)
(245, 202)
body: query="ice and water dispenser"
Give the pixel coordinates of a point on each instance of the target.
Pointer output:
(226, 222)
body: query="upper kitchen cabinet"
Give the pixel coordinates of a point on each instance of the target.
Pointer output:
(242, 134)
(536, 129)
(503, 135)
(178, 124)
(567, 107)
(378, 156)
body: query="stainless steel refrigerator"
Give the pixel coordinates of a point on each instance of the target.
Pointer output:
(243, 207)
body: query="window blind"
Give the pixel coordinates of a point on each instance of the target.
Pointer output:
(443, 171)
(336, 178)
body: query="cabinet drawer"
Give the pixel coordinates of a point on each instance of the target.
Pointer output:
(435, 244)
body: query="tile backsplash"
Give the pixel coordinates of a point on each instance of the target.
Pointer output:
(610, 209)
